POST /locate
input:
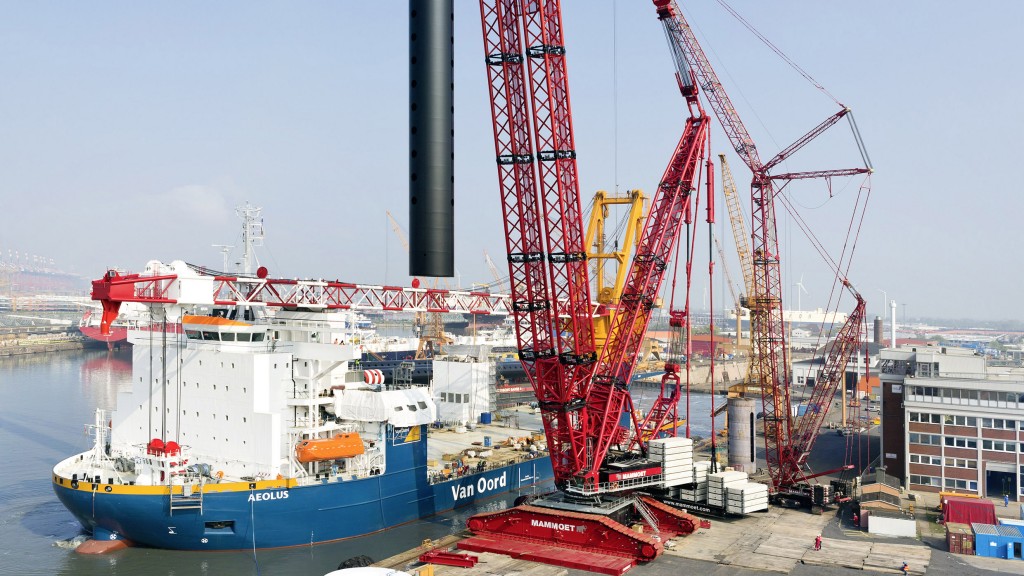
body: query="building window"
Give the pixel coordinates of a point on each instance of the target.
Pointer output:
(999, 445)
(930, 439)
(998, 423)
(926, 480)
(970, 421)
(926, 418)
(961, 484)
(926, 459)
(960, 442)
(961, 463)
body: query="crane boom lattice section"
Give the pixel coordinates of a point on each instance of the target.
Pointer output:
(609, 394)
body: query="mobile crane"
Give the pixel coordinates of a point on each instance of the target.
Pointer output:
(583, 394)
(785, 452)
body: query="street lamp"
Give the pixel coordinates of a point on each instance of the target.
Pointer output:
(884, 303)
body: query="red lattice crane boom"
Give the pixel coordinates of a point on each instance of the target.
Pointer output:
(828, 382)
(541, 211)
(581, 404)
(186, 285)
(768, 337)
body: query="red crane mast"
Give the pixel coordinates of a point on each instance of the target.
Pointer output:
(581, 403)
(768, 337)
(525, 58)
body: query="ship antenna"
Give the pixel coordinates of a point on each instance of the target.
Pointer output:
(252, 233)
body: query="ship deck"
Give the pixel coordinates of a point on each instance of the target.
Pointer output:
(520, 426)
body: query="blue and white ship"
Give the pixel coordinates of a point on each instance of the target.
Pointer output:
(258, 433)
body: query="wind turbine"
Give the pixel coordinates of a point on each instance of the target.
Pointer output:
(800, 285)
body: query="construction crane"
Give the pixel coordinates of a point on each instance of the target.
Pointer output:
(583, 396)
(181, 283)
(739, 227)
(598, 253)
(768, 336)
(499, 281)
(736, 298)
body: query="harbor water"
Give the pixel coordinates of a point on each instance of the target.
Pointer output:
(46, 400)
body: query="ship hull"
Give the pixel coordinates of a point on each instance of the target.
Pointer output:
(271, 514)
(117, 334)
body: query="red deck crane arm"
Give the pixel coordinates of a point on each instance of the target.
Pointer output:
(200, 290)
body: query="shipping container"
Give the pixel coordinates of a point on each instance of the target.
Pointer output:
(960, 538)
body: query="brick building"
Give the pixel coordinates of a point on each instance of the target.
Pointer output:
(952, 422)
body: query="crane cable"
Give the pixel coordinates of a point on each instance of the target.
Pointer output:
(778, 51)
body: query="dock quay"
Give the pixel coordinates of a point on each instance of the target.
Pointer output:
(778, 541)
(16, 341)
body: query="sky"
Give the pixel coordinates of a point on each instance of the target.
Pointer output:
(131, 131)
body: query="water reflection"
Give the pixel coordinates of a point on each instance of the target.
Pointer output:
(105, 374)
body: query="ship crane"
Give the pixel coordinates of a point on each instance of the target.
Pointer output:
(768, 336)
(187, 285)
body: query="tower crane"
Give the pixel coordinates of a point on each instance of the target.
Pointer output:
(739, 228)
(768, 337)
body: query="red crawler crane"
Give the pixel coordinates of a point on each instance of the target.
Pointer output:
(768, 336)
(582, 397)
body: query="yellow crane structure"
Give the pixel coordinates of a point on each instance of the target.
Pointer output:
(601, 254)
(742, 240)
(739, 228)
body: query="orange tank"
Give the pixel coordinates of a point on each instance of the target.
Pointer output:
(341, 446)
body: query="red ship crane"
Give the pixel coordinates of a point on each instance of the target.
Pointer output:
(768, 337)
(191, 286)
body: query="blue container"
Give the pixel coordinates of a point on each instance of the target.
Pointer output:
(485, 417)
(487, 441)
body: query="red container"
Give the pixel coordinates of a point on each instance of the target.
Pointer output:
(960, 538)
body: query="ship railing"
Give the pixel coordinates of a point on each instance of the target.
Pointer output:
(617, 486)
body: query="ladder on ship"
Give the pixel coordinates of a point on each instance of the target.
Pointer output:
(189, 499)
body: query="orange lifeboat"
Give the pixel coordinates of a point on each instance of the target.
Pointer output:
(341, 446)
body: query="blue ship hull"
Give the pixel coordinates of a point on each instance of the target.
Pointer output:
(270, 514)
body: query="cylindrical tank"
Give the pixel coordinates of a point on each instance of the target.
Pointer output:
(741, 435)
(431, 139)
(878, 329)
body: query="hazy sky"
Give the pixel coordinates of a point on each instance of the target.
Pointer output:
(132, 130)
